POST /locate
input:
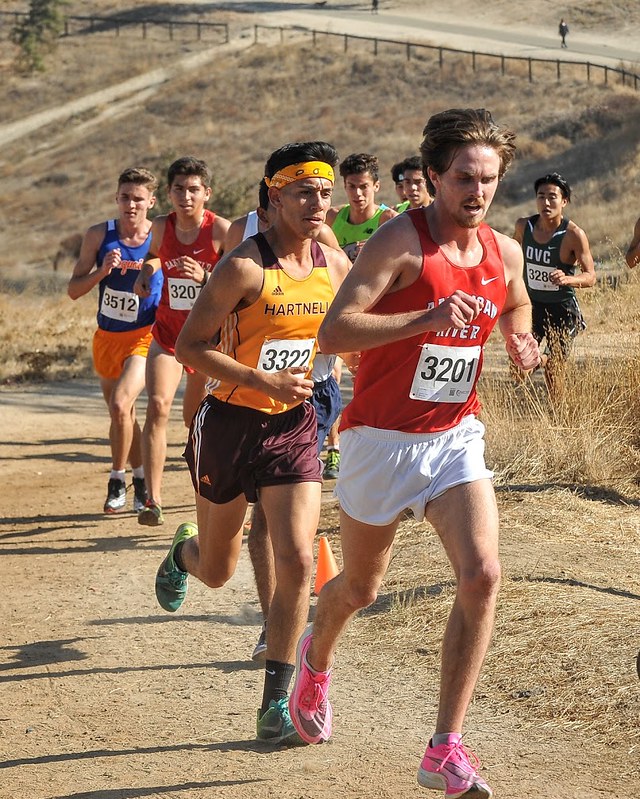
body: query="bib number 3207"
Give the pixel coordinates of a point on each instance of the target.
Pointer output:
(279, 354)
(445, 374)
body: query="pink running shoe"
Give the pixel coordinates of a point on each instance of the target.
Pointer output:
(452, 768)
(309, 706)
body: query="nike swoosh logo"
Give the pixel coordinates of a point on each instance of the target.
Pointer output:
(272, 673)
(197, 252)
(485, 281)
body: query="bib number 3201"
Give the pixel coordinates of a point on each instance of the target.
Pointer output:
(445, 374)
(279, 354)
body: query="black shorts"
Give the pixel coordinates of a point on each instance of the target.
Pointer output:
(234, 450)
(327, 401)
(557, 322)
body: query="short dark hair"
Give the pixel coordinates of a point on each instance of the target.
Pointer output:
(263, 195)
(189, 165)
(555, 179)
(446, 133)
(139, 176)
(396, 172)
(412, 162)
(297, 153)
(359, 163)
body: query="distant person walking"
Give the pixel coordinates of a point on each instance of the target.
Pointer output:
(563, 29)
(374, 6)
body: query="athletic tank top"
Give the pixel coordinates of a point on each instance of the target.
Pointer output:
(278, 330)
(179, 293)
(119, 308)
(349, 235)
(540, 260)
(250, 225)
(427, 383)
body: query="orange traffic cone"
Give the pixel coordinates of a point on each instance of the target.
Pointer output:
(327, 567)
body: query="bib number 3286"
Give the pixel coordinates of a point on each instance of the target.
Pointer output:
(445, 374)
(279, 354)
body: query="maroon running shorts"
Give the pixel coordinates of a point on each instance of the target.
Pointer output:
(234, 450)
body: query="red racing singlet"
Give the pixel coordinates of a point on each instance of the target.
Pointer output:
(427, 383)
(179, 293)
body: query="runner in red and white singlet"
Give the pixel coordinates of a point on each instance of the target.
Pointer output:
(420, 302)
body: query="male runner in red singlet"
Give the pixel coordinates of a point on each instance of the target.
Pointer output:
(255, 436)
(186, 244)
(420, 302)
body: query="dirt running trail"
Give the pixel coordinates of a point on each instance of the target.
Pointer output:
(105, 696)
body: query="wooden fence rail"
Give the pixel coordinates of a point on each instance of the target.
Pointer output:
(625, 77)
(75, 24)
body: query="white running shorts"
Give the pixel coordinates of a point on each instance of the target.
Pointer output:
(386, 472)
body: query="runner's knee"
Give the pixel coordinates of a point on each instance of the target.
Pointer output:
(481, 581)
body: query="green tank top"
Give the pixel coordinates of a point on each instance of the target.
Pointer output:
(542, 259)
(350, 236)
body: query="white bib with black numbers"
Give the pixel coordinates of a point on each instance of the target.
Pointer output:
(120, 305)
(445, 374)
(539, 277)
(182, 293)
(278, 354)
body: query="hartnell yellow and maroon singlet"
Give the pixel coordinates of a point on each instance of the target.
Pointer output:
(278, 330)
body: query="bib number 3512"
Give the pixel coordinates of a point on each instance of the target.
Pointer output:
(445, 374)
(279, 354)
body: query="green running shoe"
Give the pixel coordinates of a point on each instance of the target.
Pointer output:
(171, 582)
(151, 514)
(275, 725)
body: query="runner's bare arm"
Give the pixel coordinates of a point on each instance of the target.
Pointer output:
(142, 286)
(235, 233)
(515, 319)
(84, 276)
(580, 253)
(219, 233)
(633, 253)
(518, 233)
(391, 259)
(235, 282)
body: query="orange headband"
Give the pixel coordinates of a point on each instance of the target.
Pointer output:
(307, 169)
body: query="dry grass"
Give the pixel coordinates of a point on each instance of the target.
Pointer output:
(563, 654)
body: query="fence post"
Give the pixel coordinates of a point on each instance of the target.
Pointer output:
(558, 69)
(440, 59)
(606, 76)
(346, 42)
(408, 51)
(473, 60)
(530, 72)
(375, 47)
(281, 35)
(502, 64)
(144, 30)
(588, 72)
(170, 31)
(255, 34)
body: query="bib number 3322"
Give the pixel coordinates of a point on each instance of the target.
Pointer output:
(279, 354)
(445, 374)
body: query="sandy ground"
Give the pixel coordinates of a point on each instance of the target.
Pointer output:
(104, 696)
